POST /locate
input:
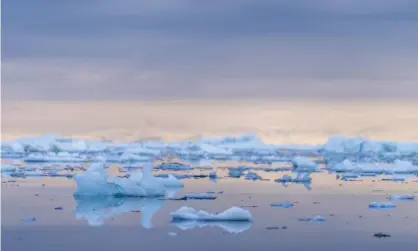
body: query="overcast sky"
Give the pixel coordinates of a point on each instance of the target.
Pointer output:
(179, 49)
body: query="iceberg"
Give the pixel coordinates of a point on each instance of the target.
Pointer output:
(231, 214)
(304, 164)
(95, 181)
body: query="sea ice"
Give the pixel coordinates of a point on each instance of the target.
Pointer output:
(383, 205)
(301, 164)
(285, 204)
(402, 197)
(174, 167)
(95, 181)
(252, 176)
(202, 196)
(231, 214)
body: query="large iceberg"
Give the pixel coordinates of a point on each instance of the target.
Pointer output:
(95, 181)
(231, 214)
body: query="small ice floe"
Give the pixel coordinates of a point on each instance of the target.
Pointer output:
(303, 164)
(28, 219)
(317, 218)
(269, 169)
(383, 205)
(285, 204)
(236, 172)
(402, 197)
(174, 167)
(172, 234)
(252, 176)
(202, 196)
(284, 179)
(231, 214)
(381, 235)
(348, 176)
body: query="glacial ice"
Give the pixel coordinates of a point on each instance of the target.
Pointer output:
(231, 214)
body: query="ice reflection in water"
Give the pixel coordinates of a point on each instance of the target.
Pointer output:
(95, 210)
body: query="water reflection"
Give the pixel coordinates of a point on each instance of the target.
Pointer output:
(96, 210)
(230, 227)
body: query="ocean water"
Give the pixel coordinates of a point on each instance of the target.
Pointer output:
(145, 224)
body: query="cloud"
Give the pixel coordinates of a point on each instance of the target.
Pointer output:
(74, 50)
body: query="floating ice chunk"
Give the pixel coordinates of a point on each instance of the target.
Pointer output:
(402, 197)
(131, 157)
(202, 196)
(171, 181)
(234, 227)
(52, 157)
(7, 168)
(345, 176)
(252, 176)
(345, 166)
(400, 166)
(172, 234)
(304, 164)
(285, 204)
(235, 172)
(95, 181)
(383, 205)
(302, 178)
(28, 219)
(317, 218)
(231, 214)
(174, 167)
(284, 179)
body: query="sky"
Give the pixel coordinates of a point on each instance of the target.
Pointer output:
(195, 49)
